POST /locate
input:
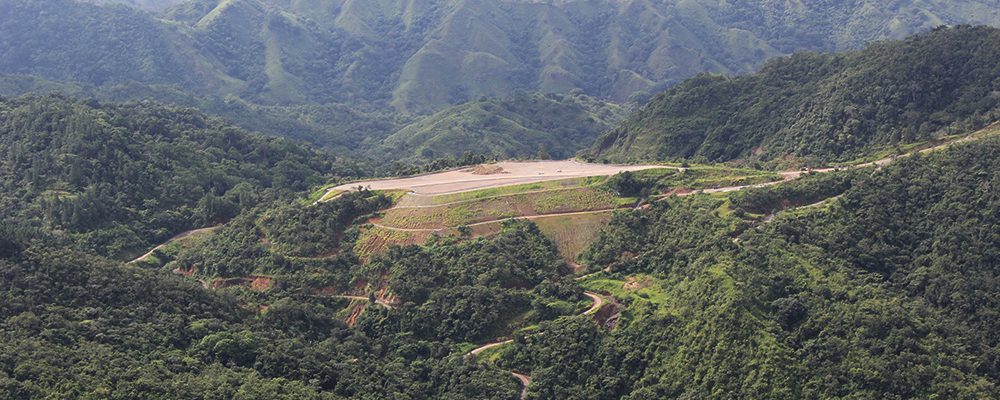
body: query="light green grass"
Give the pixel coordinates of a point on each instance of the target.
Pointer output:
(492, 208)
(501, 191)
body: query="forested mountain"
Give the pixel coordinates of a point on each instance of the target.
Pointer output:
(346, 74)
(111, 179)
(890, 291)
(418, 56)
(523, 125)
(77, 326)
(823, 107)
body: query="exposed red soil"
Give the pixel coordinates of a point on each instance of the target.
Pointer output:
(356, 312)
(261, 283)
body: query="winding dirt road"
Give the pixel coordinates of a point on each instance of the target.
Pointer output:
(597, 300)
(525, 381)
(176, 237)
(494, 221)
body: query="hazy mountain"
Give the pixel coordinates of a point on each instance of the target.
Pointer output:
(523, 125)
(150, 5)
(419, 56)
(824, 106)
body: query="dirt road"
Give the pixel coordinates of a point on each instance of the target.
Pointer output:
(494, 221)
(488, 346)
(597, 300)
(525, 381)
(361, 298)
(513, 173)
(176, 237)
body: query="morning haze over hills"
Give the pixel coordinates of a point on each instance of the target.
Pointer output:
(499, 199)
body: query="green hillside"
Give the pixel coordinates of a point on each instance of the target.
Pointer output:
(889, 291)
(115, 179)
(518, 126)
(823, 107)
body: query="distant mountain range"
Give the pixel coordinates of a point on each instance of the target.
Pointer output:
(419, 56)
(348, 74)
(523, 125)
(150, 5)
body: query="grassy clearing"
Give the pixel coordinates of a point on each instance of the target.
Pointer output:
(573, 233)
(373, 240)
(645, 288)
(501, 191)
(526, 204)
(638, 292)
(327, 195)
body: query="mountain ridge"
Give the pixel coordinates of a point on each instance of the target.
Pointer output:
(823, 107)
(418, 57)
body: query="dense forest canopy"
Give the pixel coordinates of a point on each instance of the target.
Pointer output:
(888, 293)
(114, 179)
(824, 107)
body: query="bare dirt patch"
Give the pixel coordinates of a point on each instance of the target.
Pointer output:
(632, 283)
(486, 169)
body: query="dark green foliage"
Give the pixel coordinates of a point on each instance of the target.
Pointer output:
(520, 257)
(77, 326)
(235, 250)
(469, 291)
(804, 191)
(824, 107)
(890, 293)
(627, 184)
(295, 230)
(116, 178)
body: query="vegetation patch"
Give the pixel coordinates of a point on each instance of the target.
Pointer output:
(424, 200)
(488, 209)
(572, 233)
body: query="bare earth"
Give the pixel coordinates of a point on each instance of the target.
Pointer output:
(514, 173)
